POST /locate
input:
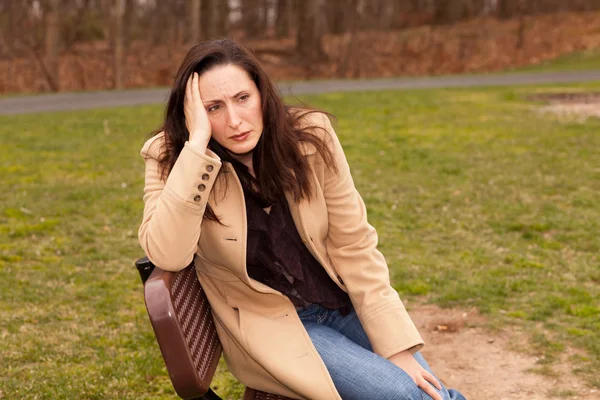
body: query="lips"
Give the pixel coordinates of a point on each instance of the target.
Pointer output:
(241, 136)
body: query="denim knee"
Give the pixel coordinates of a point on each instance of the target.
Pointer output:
(401, 390)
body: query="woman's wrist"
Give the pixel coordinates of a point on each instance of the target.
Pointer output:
(199, 145)
(400, 354)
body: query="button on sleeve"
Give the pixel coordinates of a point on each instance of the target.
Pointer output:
(189, 176)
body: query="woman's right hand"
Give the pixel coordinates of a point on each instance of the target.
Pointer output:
(422, 378)
(196, 117)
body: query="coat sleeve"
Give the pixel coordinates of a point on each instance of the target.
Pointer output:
(352, 249)
(174, 209)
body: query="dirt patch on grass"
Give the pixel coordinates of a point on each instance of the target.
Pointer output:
(481, 363)
(580, 106)
(567, 98)
(579, 112)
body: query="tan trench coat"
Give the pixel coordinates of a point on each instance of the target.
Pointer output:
(266, 346)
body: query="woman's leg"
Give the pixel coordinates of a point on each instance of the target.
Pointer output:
(358, 373)
(356, 368)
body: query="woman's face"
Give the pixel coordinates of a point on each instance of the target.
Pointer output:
(234, 107)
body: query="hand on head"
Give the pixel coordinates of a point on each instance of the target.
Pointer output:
(196, 117)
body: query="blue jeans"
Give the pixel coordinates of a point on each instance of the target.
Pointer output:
(356, 371)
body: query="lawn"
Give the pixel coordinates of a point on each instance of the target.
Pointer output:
(577, 61)
(478, 200)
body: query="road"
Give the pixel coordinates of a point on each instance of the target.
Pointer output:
(88, 100)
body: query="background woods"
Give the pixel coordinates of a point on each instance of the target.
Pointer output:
(65, 45)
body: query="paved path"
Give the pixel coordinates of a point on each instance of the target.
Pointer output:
(87, 100)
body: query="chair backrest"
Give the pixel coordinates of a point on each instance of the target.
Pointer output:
(185, 331)
(184, 327)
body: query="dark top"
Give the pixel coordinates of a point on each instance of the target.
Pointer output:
(277, 257)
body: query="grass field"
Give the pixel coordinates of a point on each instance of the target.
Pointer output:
(478, 200)
(576, 61)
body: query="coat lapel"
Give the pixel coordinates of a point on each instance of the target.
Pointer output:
(303, 213)
(224, 244)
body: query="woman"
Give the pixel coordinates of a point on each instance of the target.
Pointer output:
(261, 198)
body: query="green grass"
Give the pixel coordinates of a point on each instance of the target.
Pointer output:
(478, 200)
(576, 61)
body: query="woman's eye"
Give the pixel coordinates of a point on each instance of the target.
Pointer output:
(244, 97)
(213, 108)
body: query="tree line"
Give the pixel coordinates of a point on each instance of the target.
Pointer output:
(43, 29)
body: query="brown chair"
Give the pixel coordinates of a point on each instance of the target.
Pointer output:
(185, 331)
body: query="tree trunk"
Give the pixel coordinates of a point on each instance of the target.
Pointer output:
(508, 8)
(221, 18)
(128, 21)
(349, 55)
(282, 20)
(251, 18)
(521, 33)
(386, 13)
(208, 14)
(336, 16)
(311, 29)
(52, 43)
(118, 50)
(163, 24)
(214, 18)
(451, 11)
(195, 31)
(264, 17)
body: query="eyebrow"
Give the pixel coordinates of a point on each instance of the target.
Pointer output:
(233, 97)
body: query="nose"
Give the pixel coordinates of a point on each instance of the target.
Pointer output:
(234, 118)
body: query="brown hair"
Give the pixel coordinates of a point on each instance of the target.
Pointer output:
(279, 165)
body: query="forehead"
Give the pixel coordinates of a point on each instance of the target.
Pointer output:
(224, 80)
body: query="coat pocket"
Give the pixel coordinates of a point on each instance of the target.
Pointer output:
(242, 323)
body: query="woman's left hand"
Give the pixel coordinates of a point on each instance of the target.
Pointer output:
(419, 375)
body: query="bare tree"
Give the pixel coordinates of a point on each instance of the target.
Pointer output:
(337, 16)
(451, 11)
(251, 16)
(33, 35)
(52, 42)
(375, 14)
(118, 43)
(214, 18)
(163, 26)
(509, 8)
(223, 18)
(349, 54)
(311, 29)
(128, 22)
(263, 20)
(195, 31)
(284, 18)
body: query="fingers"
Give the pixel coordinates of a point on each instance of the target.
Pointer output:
(426, 381)
(196, 90)
(428, 388)
(192, 91)
(187, 102)
(431, 379)
(188, 88)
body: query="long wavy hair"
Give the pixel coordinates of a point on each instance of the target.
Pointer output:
(279, 164)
